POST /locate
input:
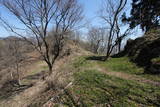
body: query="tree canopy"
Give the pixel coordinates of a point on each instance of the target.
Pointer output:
(145, 13)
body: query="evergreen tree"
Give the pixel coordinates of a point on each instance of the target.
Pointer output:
(145, 13)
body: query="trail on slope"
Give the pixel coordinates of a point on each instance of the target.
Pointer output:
(27, 96)
(127, 76)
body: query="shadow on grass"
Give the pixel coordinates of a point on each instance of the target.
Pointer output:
(96, 58)
(118, 55)
(36, 76)
(11, 88)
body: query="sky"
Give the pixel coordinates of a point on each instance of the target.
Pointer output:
(91, 11)
(91, 8)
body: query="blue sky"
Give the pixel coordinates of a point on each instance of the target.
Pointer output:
(90, 12)
(9, 18)
(91, 8)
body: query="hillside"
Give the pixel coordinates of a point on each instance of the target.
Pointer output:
(83, 80)
(35, 80)
(114, 83)
(145, 51)
(96, 83)
(75, 53)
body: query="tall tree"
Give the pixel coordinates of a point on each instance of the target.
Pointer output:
(145, 13)
(111, 12)
(37, 16)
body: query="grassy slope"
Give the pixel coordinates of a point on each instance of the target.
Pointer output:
(94, 88)
(124, 65)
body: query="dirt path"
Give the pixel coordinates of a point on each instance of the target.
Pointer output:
(128, 76)
(24, 98)
(27, 96)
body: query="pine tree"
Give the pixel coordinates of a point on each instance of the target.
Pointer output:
(145, 13)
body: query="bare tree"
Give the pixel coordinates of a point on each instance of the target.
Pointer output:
(122, 31)
(15, 57)
(95, 38)
(37, 16)
(111, 12)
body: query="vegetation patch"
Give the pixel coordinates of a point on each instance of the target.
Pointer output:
(156, 60)
(94, 88)
(81, 62)
(123, 64)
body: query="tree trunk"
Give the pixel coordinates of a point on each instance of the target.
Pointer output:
(107, 55)
(19, 81)
(11, 74)
(18, 74)
(50, 68)
(119, 47)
